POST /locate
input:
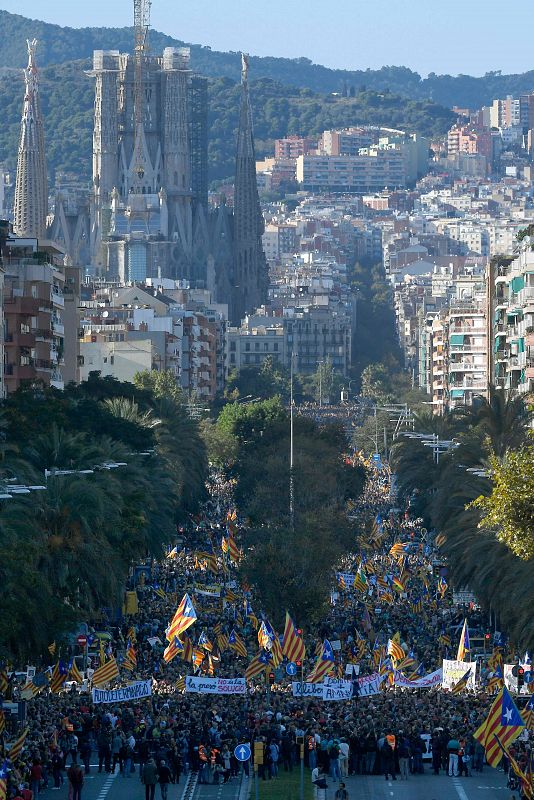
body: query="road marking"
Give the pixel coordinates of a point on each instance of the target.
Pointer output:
(107, 786)
(459, 789)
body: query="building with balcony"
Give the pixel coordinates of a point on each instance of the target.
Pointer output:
(511, 298)
(34, 304)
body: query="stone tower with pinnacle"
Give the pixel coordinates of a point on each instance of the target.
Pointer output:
(31, 188)
(250, 274)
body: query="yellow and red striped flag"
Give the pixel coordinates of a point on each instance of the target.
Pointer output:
(236, 643)
(184, 617)
(58, 677)
(74, 672)
(16, 748)
(172, 650)
(503, 724)
(259, 663)
(395, 650)
(293, 644)
(106, 673)
(324, 665)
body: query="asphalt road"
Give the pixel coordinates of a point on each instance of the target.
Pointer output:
(490, 785)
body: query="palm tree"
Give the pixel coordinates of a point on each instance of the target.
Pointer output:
(503, 418)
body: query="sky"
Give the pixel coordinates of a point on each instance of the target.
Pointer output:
(459, 36)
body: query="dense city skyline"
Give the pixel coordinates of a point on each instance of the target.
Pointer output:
(474, 47)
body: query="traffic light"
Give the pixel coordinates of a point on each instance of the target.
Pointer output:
(298, 664)
(520, 677)
(487, 636)
(299, 631)
(271, 678)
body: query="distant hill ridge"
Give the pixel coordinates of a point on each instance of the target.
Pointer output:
(59, 45)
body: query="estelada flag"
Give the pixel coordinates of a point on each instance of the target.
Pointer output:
(503, 724)
(324, 665)
(184, 617)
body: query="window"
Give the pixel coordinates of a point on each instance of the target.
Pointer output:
(266, 346)
(257, 358)
(247, 346)
(275, 347)
(256, 345)
(232, 347)
(232, 358)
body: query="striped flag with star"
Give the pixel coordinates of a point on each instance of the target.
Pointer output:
(172, 650)
(236, 643)
(503, 721)
(293, 644)
(462, 683)
(106, 673)
(58, 677)
(265, 639)
(496, 681)
(259, 663)
(184, 617)
(324, 665)
(180, 684)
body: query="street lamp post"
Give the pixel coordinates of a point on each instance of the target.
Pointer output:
(291, 476)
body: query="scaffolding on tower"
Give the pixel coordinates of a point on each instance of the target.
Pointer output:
(141, 28)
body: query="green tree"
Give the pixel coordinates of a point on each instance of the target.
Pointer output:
(509, 509)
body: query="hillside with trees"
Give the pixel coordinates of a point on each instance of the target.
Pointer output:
(67, 97)
(59, 45)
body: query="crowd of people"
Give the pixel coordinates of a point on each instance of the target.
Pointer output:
(160, 738)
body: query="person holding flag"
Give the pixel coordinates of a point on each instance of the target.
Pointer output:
(464, 647)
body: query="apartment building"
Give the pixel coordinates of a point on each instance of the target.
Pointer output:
(130, 329)
(33, 307)
(291, 147)
(369, 172)
(511, 298)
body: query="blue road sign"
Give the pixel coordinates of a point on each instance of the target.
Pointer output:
(527, 676)
(242, 752)
(291, 668)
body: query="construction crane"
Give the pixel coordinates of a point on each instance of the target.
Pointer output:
(141, 26)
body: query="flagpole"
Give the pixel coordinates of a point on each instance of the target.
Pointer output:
(291, 476)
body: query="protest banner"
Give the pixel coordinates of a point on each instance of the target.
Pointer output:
(454, 671)
(202, 685)
(134, 691)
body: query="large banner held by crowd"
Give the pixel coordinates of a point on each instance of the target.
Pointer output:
(425, 682)
(125, 694)
(201, 685)
(333, 689)
(454, 671)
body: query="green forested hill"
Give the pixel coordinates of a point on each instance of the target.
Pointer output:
(67, 102)
(58, 45)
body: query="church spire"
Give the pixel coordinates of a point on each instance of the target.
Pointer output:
(250, 278)
(31, 188)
